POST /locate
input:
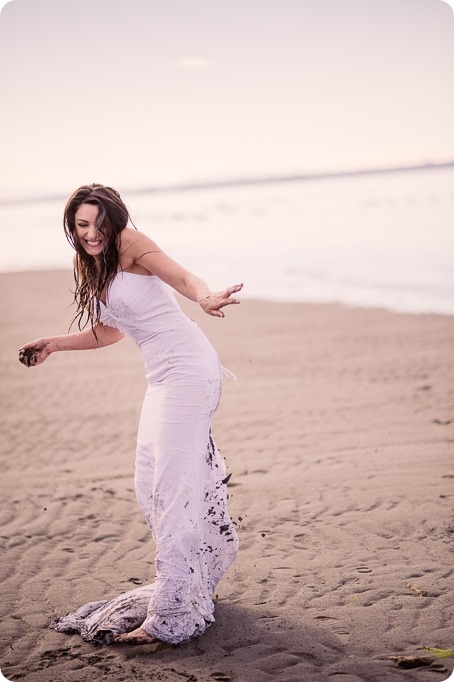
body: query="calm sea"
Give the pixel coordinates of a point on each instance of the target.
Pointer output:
(384, 240)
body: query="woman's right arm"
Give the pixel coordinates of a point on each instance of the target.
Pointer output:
(35, 352)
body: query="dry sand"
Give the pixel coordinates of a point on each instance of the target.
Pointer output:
(339, 436)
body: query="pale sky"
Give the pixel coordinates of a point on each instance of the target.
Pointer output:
(144, 92)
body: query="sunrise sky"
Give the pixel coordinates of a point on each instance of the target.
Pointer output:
(149, 92)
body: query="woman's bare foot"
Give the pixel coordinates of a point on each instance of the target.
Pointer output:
(137, 636)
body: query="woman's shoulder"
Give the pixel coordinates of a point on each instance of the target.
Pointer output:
(129, 237)
(131, 247)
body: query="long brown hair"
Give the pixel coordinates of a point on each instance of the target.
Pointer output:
(93, 276)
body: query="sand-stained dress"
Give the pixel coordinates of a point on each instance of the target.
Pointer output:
(180, 477)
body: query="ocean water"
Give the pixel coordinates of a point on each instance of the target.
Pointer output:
(381, 241)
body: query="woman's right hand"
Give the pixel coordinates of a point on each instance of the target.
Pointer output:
(35, 352)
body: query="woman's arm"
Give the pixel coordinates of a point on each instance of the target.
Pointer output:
(35, 352)
(142, 251)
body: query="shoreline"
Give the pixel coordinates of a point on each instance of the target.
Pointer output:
(253, 299)
(338, 434)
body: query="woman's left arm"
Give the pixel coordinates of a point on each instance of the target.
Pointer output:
(145, 253)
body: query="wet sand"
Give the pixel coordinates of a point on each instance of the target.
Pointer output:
(339, 435)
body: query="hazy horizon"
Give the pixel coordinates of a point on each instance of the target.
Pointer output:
(236, 181)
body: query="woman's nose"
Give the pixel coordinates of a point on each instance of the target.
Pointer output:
(92, 232)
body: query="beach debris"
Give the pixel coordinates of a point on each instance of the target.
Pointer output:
(416, 588)
(419, 661)
(187, 676)
(439, 653)
(412, 661)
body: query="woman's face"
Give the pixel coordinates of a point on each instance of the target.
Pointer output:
(91, 240)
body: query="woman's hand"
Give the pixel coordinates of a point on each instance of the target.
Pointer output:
(212, 303)
(35, 352)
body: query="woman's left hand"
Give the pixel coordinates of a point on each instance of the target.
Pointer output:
(212, 303)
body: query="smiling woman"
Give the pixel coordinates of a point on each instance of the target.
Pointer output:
(180, 477)
(94, 218)
(87, 230)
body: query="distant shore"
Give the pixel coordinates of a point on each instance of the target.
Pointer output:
(244, 182)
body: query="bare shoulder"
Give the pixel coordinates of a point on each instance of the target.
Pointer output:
(129, 238)
(133, 245)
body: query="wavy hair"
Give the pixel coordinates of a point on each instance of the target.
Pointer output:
(93, 275)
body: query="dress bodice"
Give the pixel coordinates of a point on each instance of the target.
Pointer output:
(141, 306)
(145, 308)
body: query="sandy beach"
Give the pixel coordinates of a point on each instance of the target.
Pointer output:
(339, 435)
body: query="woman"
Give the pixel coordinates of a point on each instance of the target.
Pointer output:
(121, 277)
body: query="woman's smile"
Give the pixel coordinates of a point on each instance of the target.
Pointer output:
(95, 243)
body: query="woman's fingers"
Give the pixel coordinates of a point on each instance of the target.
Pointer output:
(214, 302)
(24, 359)
(227, 301)
(29, 355)
(225, 295)
(234, 289)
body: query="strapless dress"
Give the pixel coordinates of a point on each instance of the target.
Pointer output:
(180, 477)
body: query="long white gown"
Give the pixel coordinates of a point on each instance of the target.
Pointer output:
(180, 478)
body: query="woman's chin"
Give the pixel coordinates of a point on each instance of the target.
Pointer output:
(93, 250)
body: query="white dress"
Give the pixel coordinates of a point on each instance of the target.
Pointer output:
(180, 478)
